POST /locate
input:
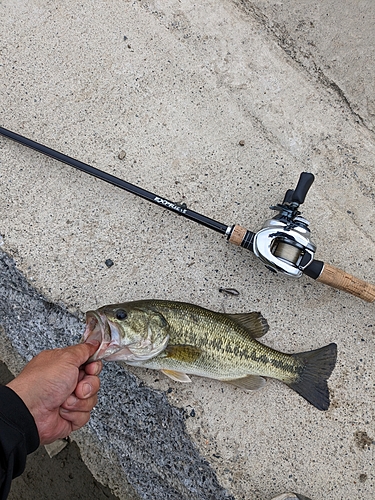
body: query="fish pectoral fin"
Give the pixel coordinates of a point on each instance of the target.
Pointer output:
(254, 323)
(248, 383)
(178, 376)
(184, 352)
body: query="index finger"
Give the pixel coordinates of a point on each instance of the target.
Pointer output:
(93, 368)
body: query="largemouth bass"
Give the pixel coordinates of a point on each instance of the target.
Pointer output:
(183, 339)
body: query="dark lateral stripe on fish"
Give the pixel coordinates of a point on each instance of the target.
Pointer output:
(290, 368)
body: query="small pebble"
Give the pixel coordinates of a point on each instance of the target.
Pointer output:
(109, 263)
(242, 143)
(121, 155)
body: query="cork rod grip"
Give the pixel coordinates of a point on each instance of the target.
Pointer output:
(341, 280)
(238, 234)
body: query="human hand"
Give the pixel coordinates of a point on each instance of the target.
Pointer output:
(58, 391)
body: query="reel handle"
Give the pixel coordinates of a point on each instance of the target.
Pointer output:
(304, 184)
(341, 280)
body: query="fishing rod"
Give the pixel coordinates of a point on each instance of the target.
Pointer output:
(283, 244)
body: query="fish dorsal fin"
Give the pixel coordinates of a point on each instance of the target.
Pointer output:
(254, 323)
(183, 352)
(248, 383)
(178, 376)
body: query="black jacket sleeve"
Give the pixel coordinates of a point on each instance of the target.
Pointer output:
(18, 437)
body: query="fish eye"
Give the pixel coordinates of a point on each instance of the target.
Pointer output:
(121, 314)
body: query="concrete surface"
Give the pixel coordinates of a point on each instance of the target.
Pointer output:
(176, 85)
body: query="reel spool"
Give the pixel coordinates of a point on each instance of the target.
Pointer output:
(287, 252)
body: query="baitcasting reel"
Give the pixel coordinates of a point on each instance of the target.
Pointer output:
(283, 244)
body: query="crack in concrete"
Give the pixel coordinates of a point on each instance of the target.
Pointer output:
(286, 42)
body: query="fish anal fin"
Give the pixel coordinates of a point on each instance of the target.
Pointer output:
(248, 383)
(254, 323)
(177, 376)
(184, 352)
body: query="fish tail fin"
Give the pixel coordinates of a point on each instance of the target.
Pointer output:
(317, 367)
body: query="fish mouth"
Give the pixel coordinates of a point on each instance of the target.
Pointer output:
(100, 329)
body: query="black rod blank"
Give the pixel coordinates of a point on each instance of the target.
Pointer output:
(111, 179)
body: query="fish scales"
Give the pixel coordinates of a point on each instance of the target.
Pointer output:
(227, 350)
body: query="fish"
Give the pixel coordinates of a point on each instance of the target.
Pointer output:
(182, 339)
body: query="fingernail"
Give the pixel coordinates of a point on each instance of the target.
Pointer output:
(71, 401)
(86, 389)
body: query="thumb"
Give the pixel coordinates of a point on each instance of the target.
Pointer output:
(82, 352)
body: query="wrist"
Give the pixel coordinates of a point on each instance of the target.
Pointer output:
(23, 393)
